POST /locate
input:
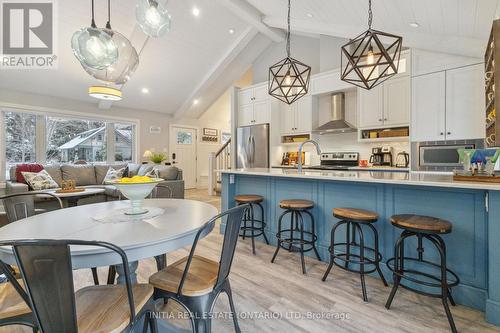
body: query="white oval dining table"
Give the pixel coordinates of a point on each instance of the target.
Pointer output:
(140, 239)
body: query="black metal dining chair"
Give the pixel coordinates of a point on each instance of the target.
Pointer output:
(196, 282)
(22, 205)
(46, 270)
(15, 304)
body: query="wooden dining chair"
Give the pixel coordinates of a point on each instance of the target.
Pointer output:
(22, 205)
(195, 281)
(47, 272)
(14, 302)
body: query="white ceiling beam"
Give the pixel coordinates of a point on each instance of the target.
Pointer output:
(232, 65)
(464, 46)
(252, 16)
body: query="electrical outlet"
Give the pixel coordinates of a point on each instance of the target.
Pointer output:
(231, 179)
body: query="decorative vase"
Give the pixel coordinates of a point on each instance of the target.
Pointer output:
(136, 193)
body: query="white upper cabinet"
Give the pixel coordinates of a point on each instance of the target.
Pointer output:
(386, 105)
(327, 82)
(254, 106)
(397, 101)
(296, 118)
(465, 103)
(428, 107)
(371, 107)
(448, 105)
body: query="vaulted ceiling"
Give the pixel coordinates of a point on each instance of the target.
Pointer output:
(454, 26)
(199, 58)
(171, 67)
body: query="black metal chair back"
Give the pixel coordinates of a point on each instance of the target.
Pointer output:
(162, 191)
(46, 269)
(233, 218)
(22, 205)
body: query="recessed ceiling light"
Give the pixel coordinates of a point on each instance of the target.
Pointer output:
(414, 25)
(196, 11)
(145, 90)
(195, 102)
(231, 31)
(310, 15)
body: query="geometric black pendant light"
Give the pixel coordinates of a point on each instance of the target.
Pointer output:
(289, 78)
(370, 58)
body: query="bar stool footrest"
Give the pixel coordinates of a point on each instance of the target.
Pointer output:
(404, 274)
(247, 231)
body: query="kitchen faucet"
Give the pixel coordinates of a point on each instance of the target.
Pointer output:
(318, 150)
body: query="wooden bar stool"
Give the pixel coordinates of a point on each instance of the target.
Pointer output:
(306, 241)
(252, 227)
(353, 219)
(429, 228)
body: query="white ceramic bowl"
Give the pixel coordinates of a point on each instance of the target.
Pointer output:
(136, 193)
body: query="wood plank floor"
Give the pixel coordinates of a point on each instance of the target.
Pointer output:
(278, 298)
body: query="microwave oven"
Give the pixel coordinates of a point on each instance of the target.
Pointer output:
(440, 155)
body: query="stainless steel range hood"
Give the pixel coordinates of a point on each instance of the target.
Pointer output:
(336, 123)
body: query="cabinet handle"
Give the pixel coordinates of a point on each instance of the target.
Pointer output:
(385, 119)
(448, 133)
(380, 119)
(441, 133)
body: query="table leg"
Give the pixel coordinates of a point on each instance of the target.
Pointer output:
(72, 202)
(132, 266)
(161, 262)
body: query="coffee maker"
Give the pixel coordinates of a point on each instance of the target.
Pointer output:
(381, 156)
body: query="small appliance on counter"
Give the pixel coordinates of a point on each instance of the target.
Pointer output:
(403, 160)
(376, 157)
(381, 156)
(337, 161)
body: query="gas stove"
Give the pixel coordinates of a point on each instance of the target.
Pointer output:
(337, 161)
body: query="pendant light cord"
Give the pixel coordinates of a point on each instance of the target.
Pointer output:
(92, 23)
(288, 32)
(370, 14)
(108, 24)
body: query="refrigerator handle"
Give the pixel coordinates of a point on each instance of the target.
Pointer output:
(248, 151)
(253, 149)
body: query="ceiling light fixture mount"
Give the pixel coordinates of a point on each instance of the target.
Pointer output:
(365, 61)
(105, 93)
(289, 78)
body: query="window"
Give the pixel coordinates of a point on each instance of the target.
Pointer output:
(47, 138)
(184, 138)
(124, 137)
(20, 137)
(70, 140)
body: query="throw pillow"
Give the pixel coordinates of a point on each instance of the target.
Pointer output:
(31, 167)
(153, 173)
(40, 180)
(113, 174)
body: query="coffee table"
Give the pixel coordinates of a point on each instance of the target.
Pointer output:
(73, 197)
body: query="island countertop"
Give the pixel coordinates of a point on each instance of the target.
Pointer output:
(400, 178)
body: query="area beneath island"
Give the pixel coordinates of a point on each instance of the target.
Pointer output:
(473, 249)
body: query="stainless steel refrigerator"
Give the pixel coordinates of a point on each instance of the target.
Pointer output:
(252, 146)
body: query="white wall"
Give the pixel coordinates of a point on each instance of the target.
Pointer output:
(217, 116)
(147, 141)
(304, 49)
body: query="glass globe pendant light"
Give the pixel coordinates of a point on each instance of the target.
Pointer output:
(372, 57)
(289, 78)
(94, 47)
(125, 65)
(153, 18)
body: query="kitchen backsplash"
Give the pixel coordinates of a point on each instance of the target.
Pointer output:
(339, 142)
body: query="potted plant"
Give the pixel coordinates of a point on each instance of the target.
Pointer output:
(156, 158)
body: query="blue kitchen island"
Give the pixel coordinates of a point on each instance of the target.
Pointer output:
(473, 246)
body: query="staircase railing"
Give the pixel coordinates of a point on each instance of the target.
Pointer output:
(220, 160)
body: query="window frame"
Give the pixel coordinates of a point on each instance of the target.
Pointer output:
(41, 140)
